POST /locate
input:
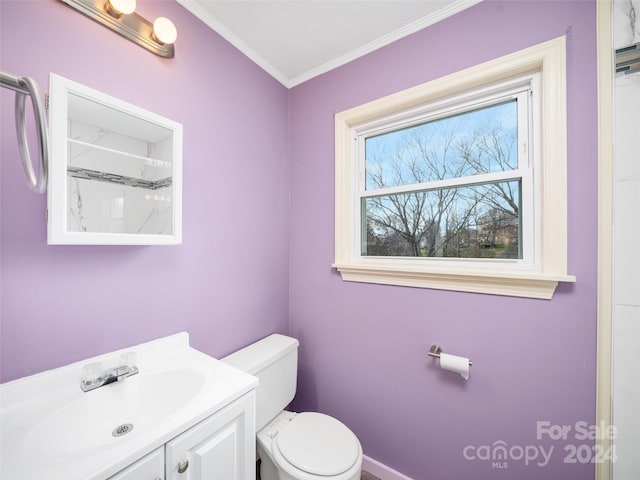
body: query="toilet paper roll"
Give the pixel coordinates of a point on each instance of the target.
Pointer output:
(455, 364)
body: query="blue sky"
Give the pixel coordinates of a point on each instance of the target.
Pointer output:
(431, 151)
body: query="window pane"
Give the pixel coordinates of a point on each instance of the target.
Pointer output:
(478, 221)
(471, 143)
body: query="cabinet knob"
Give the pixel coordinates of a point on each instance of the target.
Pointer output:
(182, 466)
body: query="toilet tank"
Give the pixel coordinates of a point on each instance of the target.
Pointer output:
(274, 360)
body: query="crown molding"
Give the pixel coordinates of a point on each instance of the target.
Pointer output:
(421, 23)
(194, 7)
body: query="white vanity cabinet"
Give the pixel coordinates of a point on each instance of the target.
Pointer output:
(220, 447)
(115, 173)
(149, 467)
(188, 417)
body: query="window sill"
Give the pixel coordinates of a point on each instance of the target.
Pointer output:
(496, 282)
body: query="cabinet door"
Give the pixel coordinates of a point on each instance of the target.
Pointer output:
(149, 467)
(221, 447)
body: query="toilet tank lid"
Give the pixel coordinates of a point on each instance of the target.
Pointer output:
(258, 355)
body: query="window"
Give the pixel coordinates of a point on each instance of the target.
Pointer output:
(450, 182)
(448, 185)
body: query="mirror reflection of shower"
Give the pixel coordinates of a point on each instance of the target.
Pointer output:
(626, 231)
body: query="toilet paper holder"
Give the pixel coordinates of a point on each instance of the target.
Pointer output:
(436, 350)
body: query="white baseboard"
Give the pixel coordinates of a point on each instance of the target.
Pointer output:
(380, 470)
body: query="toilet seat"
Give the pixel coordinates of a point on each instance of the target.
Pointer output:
(316, 444)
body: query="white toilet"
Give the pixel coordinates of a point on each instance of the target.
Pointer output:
(293, 446)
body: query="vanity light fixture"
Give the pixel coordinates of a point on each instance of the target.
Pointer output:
(120, 16)
(117, 8)
(164, 31)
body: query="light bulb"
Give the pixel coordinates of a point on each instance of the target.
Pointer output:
(121, 7)
(164, 30)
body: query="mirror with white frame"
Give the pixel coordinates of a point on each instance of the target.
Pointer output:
(115, 171)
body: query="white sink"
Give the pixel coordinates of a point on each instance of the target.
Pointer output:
(127, 407)
(50, 428)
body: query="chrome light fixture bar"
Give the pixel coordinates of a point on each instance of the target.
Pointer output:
(130, 25)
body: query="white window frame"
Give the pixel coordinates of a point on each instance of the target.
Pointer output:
(544, 262)
(518, 89)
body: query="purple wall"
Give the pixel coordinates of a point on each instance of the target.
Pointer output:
(228, 282)
(363, 347)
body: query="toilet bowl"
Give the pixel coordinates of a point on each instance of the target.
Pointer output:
(293, 446)
(308, 446)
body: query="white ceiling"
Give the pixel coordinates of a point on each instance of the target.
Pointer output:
(295, 40)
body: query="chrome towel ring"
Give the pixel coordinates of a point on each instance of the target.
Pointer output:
(24, 86)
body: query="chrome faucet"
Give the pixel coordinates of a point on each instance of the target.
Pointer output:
(93, 376)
